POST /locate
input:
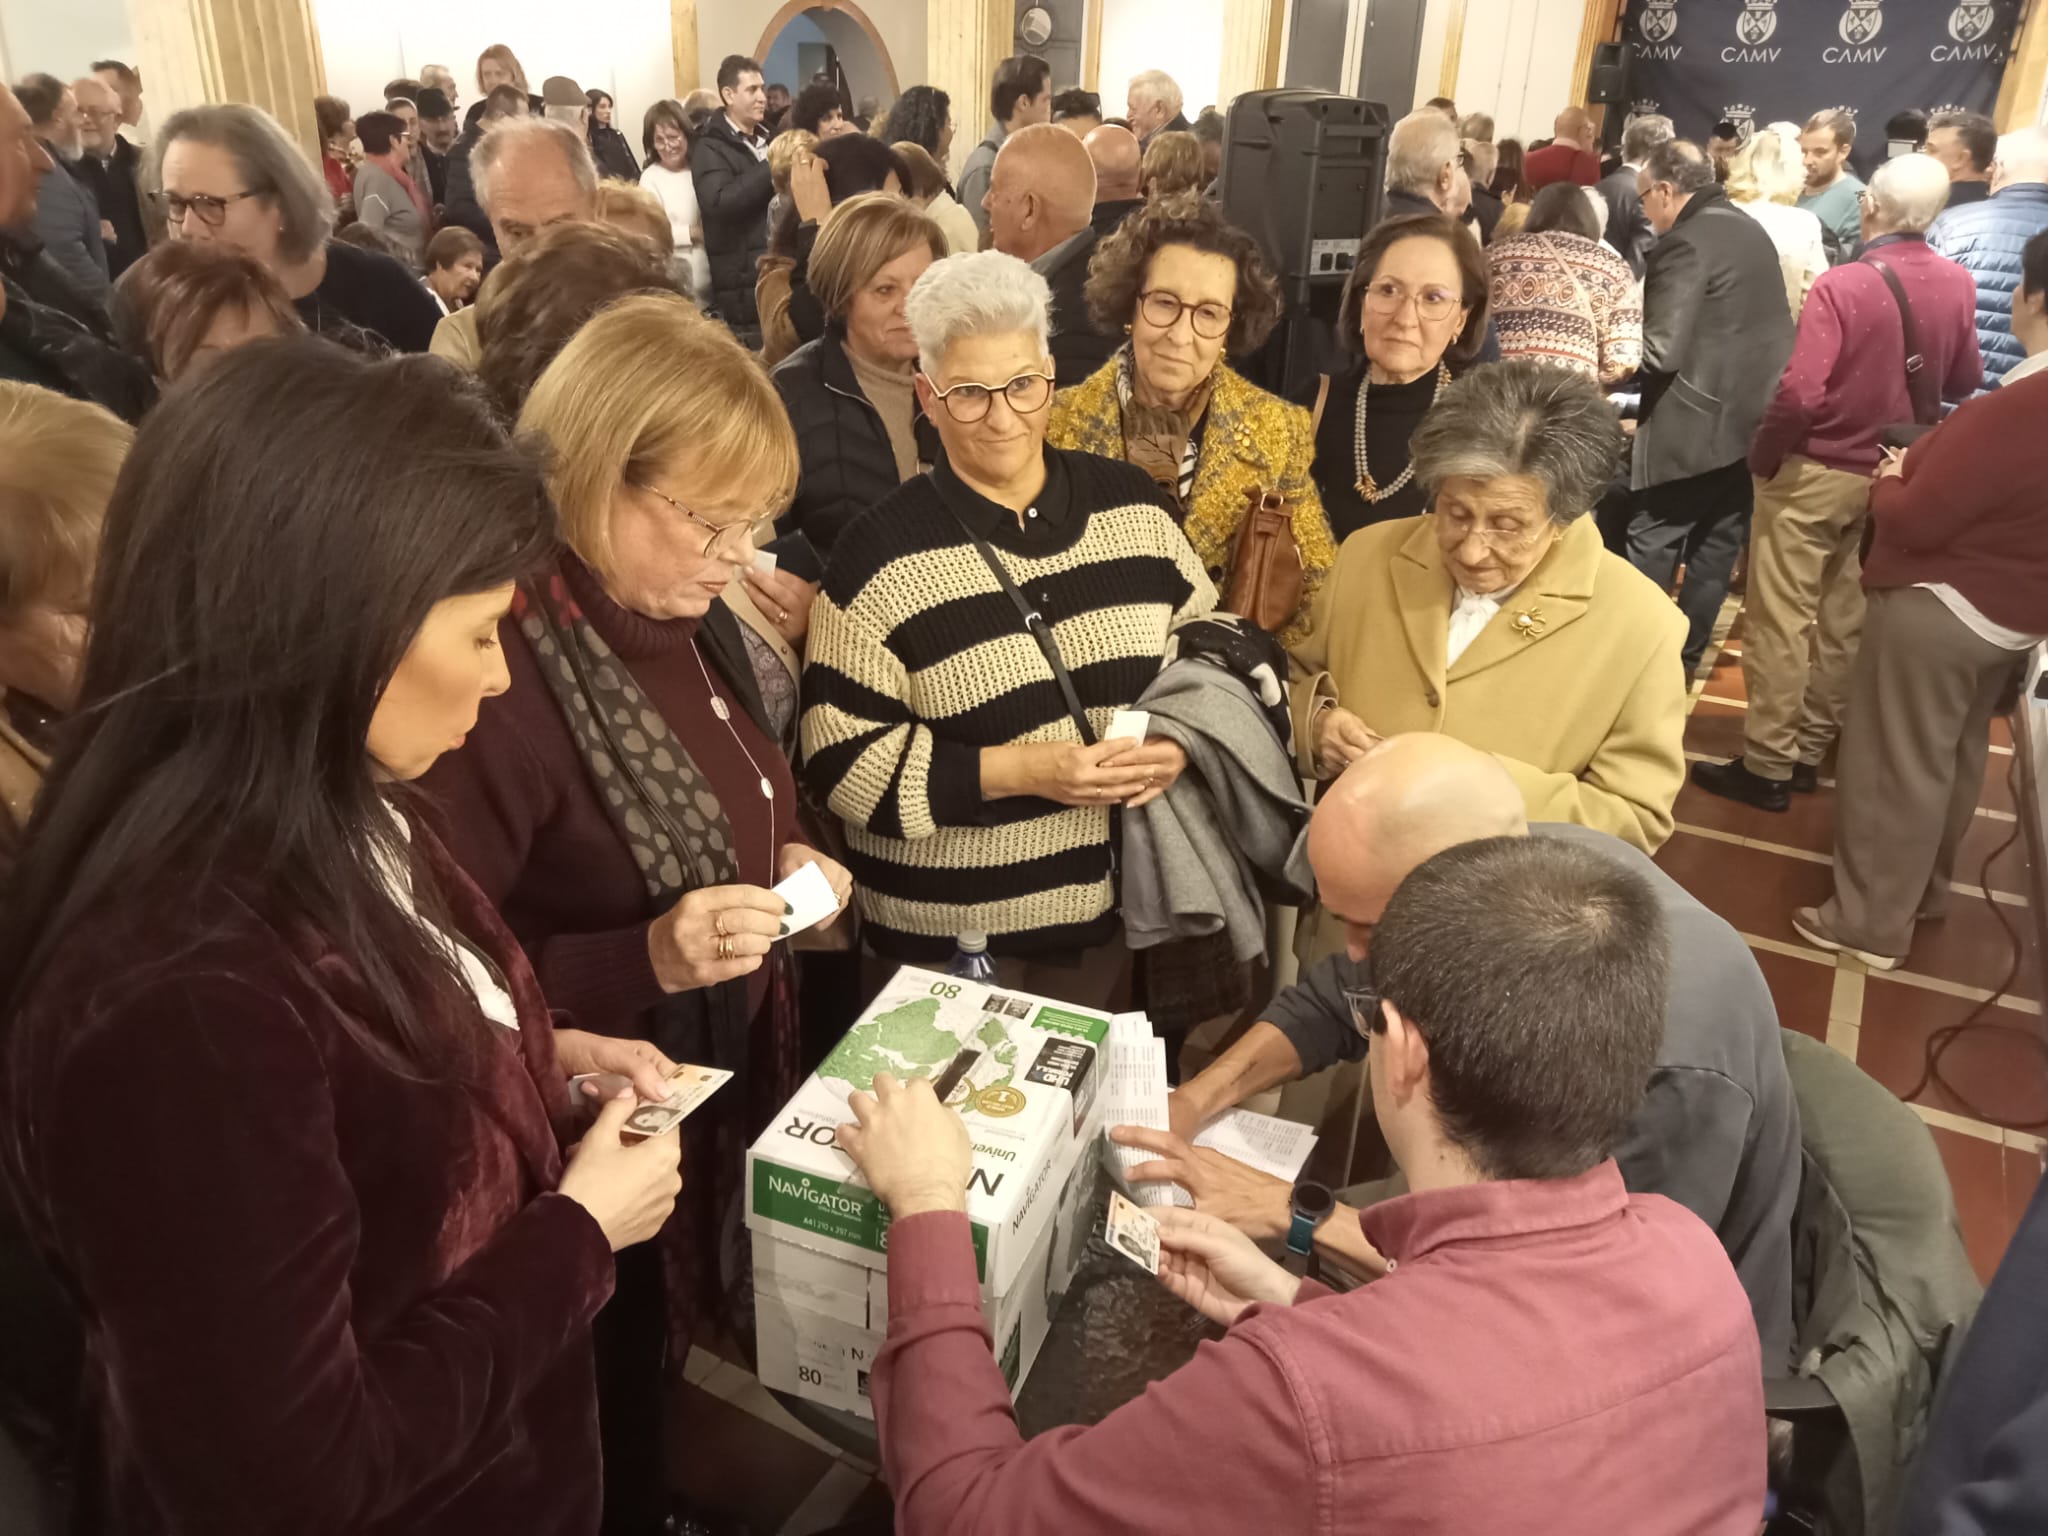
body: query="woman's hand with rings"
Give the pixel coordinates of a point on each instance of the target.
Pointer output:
(715, 935)
(1162, 761)
(784, 600)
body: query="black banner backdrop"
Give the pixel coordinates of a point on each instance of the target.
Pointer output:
(1758, 61)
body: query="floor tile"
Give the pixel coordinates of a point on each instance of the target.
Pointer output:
(1997, 792)
(1976, 1171)
(1801, 989)
(1999, 1073)
(1973, 945)
(1808, 823)
(727, 1460)
(1754, 890)
(1984, 840)
(1714, 729)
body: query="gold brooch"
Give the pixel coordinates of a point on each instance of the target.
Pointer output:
(1530, 624)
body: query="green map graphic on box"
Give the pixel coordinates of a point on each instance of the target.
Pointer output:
(908, 1042)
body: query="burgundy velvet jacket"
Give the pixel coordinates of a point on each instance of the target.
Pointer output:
(319, 1297)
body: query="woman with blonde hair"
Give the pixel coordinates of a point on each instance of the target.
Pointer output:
(850, 394)
(498, 65)
(1172, 164)
(1765, 178)
(628, 804)
(59, 459)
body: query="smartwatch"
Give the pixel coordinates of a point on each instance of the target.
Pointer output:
(1310, 1206)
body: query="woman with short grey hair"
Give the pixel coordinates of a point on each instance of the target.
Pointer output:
(976, 797)
(230, 176)
(1498, 616)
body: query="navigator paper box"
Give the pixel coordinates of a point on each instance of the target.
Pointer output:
(1028, 1098)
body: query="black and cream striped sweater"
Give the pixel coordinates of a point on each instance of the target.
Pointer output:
(917, 660)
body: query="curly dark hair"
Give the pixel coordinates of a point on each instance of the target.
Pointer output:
(1116, 275)
(542, 294)
(920, 117)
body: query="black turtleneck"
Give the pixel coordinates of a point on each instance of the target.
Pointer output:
(1393, 411)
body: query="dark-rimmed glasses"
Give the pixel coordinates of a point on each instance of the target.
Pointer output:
(968, 403)
(735, 539)
(212, 211)
(1162, 311)
(1386, 295)
(1364, 1005)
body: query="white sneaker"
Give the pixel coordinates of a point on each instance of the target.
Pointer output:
(1807, 924)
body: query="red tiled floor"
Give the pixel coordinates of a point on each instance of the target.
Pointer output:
(1808, 824)
(1971, 946)
(1997, 792)
(1976, 1171)
(2008, 869)
(1714, 730)
(2000, 1072)
(1802, 990)
(1755, 890)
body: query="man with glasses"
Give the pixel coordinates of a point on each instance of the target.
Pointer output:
(1553, 1351)
(67, 216)
(111, 168)
(977, 630)
(1717, 1129)
(1716, 334)
(51, 333)
(1041, 207)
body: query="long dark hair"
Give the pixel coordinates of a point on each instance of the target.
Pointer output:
(262, 571)
(920, 116)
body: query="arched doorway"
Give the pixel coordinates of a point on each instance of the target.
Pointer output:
(806, 36)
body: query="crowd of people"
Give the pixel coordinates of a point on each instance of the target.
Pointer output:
(449, 578)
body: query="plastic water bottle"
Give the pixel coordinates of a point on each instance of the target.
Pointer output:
(970, 960)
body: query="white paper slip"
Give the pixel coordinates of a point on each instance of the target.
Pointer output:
(764, 561)
(1128, 725)
(691, 1086)
(1265, 1142)
(809, 894)
(1134, 1093)
(1132, 1233)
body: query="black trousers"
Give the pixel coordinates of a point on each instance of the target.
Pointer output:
(631, 1338)
(1699, 522)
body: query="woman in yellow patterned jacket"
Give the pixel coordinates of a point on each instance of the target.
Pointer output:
(1186, 287)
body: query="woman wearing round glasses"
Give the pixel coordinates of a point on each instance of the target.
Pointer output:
(1186, 287)
(937, 723)
(1500, 619)
(1413, 317)
(232, 177)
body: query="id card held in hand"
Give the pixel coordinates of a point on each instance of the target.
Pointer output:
(1133, 1233)
(689, 1087)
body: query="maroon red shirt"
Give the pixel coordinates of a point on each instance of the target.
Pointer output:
(1544, 1356)
(1560, 162)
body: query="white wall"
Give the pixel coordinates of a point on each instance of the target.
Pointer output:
(621, 46)
(1515, 63)
(62, 37)
(1182, 37)
(735, 26)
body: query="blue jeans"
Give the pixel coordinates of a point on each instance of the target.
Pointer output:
(1699, 522)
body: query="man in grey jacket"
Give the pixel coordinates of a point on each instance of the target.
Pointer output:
(1718, 1130)
(67, 217)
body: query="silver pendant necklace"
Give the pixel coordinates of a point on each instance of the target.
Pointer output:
(724, 713)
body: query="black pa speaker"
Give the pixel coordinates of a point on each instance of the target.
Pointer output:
(1607, 80)
(1303, 173)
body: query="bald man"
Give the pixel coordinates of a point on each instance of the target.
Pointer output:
(1718, 1130)
(1574, 155)
(1116, 155)
(1041, 196)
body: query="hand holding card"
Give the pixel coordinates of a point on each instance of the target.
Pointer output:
(810, 896)
(690, 1087)
(1133, 1233)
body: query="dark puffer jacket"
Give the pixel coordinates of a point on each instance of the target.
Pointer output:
(1987, 238)
(734, 188)
(845, 462)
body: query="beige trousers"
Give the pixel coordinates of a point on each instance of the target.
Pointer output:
(1803, 615)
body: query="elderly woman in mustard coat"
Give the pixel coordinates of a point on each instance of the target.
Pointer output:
(1499, 618)
(1186, 286)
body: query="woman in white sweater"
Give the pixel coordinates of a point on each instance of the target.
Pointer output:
(1765, 178)
(666, 138)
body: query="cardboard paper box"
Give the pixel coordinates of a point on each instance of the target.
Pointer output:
(1029, 1099)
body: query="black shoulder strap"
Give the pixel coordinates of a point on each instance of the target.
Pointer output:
(1036, 627)
(1920, 386)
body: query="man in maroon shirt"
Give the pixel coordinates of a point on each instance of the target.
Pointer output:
(1812, 457)
(1544, 1350)
(1574, 155)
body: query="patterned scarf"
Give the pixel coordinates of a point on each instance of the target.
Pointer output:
(663, 807)
(1163, 443)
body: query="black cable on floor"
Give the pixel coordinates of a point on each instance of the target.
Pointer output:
(1939, 1042)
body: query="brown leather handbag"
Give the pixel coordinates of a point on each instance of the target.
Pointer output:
(1265, 567)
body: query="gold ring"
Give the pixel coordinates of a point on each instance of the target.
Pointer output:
(782, 615)
(725, 946)
(718, 924)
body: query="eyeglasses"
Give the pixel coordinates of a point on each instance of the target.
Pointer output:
(1508, 541)
(735, 540)
(1364, 1004)
(212, 211)
(1027, 393)
(1385, 296)
(99, 114)
(1162, 310)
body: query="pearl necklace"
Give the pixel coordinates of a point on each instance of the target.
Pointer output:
(1368, 487)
